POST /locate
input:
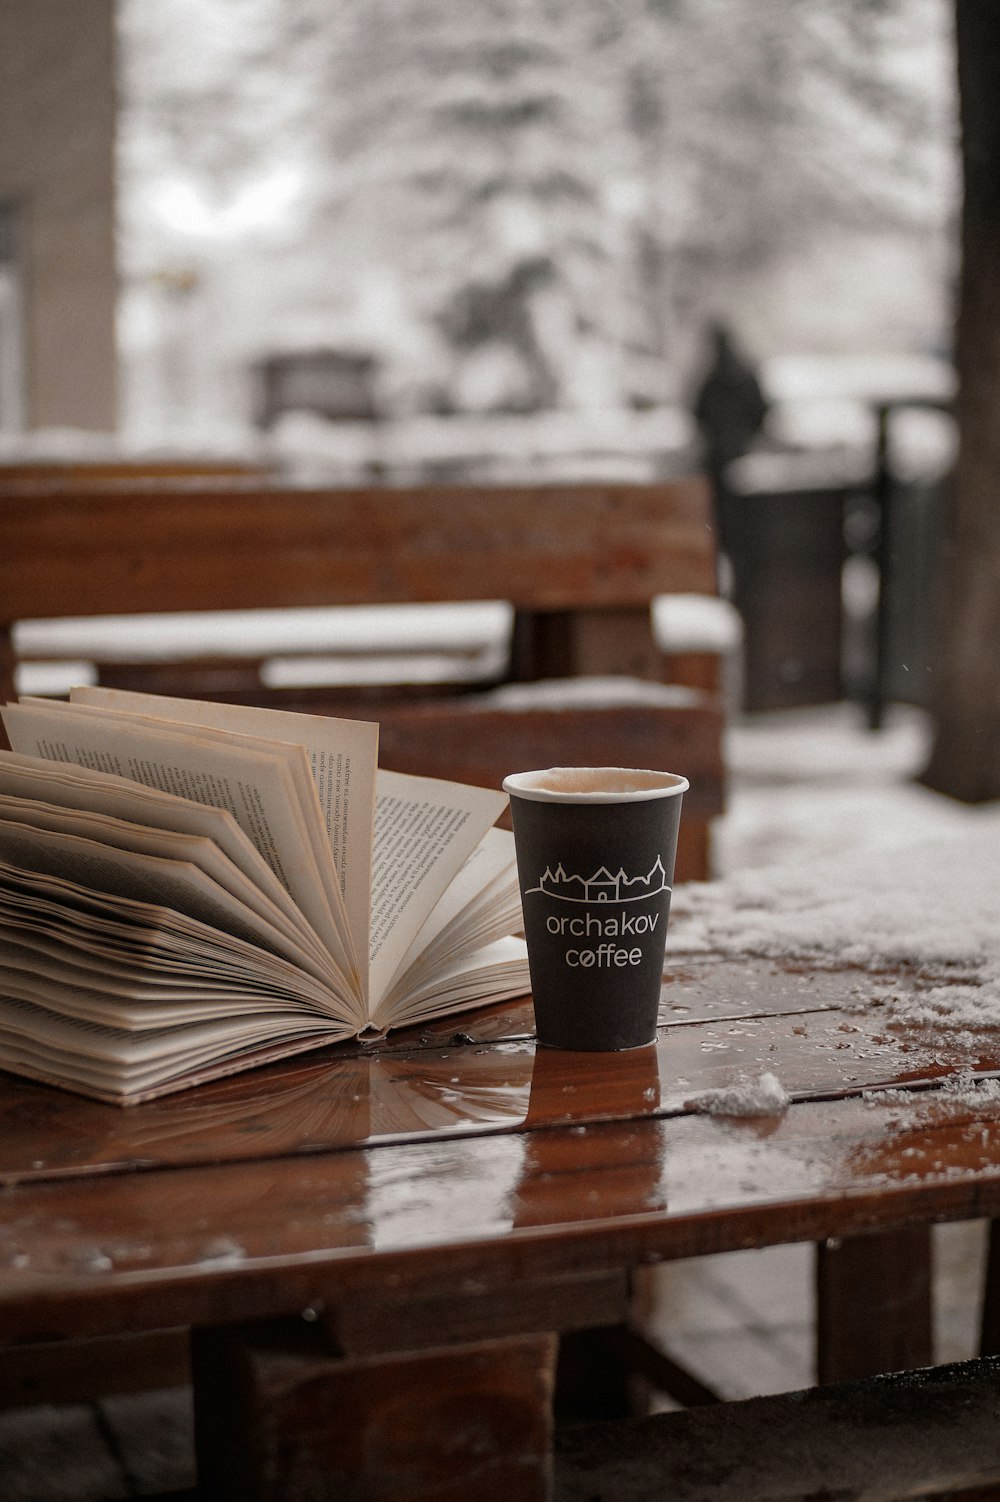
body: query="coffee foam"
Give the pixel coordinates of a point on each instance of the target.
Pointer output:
(594, 784)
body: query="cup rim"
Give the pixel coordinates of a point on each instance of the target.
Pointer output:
(665, 785)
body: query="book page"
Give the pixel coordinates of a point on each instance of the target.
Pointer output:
(28, 977)
(251, 780)
(425, 831)
(118, 992)
(343, 755)
(111, 934)
(482, 904)
(67, 785)
(492, 869)
(304, 806)
(496, 972)
(180, 888)
(120, 1067)
(194, 850)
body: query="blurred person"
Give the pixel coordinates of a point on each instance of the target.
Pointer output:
(729, 407)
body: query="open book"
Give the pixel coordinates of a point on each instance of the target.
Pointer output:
(191, 889)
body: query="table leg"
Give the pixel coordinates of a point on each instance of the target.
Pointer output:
(592, 1379)
(873, 1304)
(990, 1327)
(8, 670)
(279, 1417)
(608, 1373)
(576, 643)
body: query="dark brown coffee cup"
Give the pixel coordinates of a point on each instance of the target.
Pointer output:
(595, 859)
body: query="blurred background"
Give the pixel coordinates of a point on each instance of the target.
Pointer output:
(372, 211)
(383, 210)
(418, 240)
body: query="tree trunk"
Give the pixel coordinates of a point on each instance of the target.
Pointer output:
(965, 762)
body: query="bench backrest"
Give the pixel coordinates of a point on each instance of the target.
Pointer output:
(580, 564)
(557, 553)
(218, 545)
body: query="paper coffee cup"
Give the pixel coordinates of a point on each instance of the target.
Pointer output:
(595, 860)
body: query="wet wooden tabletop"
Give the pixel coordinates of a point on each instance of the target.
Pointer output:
(458, 1159)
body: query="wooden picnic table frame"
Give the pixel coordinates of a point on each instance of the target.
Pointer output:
(375, 1247)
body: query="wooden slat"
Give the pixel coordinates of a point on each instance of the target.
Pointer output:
(235, 680)
(81, 1371)
(693, 861)
(701, 670)
(873, 1306)
(78, 473)
(931, 1434)
(418, 1088)
(199, 1245)
(278, 1419)
(368, 1327)
(200, 546)
(468, 741)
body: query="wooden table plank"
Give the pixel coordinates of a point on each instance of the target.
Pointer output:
(206, 1245)
(345, 1098)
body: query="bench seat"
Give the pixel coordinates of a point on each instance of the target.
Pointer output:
(462, 641)
(932, 1433)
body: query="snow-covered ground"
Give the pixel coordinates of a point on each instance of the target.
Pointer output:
(831, 849)
(815, 783)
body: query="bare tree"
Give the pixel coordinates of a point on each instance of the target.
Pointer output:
(965, 762)
(570, 187)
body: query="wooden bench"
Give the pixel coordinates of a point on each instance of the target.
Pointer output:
(932, 1433)
(18, 474)
(581, 566)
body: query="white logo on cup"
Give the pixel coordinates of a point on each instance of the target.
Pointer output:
(603, 886)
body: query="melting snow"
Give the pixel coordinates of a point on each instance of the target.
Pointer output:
(835, 854)
(767, 1097)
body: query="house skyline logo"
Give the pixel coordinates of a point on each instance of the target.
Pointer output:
(603, 885)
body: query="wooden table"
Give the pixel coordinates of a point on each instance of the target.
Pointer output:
(375, 1247)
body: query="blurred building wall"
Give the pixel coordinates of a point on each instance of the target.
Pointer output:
(57, 125)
